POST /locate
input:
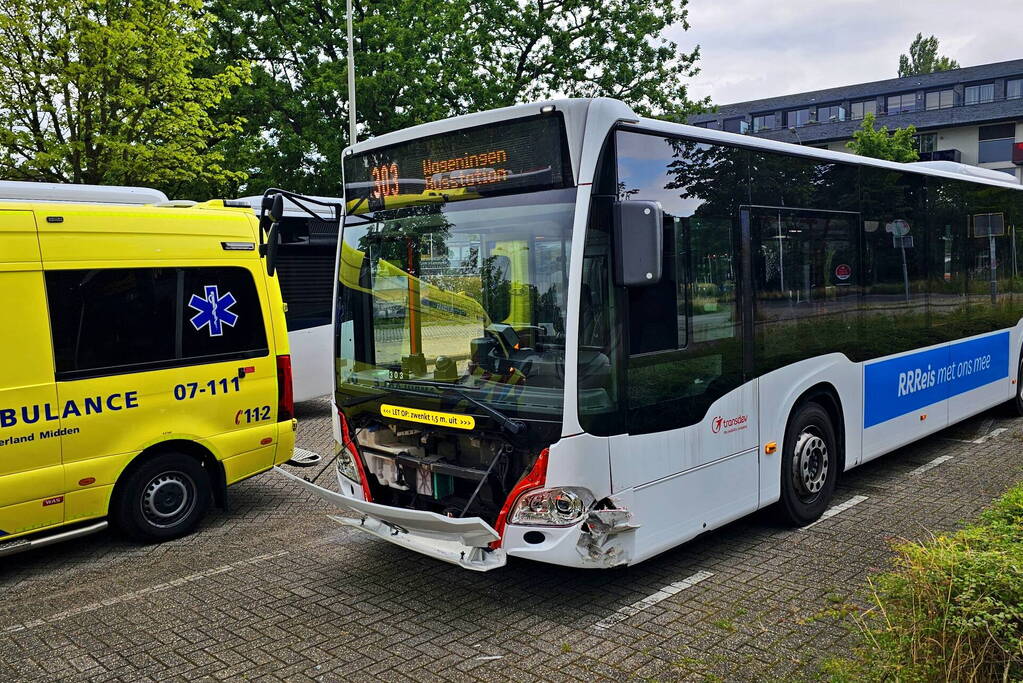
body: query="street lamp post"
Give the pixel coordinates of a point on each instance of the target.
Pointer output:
(352, 136)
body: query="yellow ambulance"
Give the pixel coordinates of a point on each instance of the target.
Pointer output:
(144, 362)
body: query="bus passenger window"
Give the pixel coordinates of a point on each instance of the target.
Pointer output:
(684, 350)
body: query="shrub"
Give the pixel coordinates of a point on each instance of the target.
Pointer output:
(951, 610)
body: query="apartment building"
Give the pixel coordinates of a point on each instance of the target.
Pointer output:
(972, 115)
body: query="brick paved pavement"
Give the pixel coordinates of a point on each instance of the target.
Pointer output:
(273, 589)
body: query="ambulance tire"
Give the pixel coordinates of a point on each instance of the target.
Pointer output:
(809, 465)
(163, 498)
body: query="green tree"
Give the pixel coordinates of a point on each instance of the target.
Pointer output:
(898, 145)
(923, 58)
(103, 91)
(419, 60)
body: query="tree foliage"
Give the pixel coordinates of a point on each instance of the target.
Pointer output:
(104, 91)
(418, 61)
(923, 58)
(898, 145)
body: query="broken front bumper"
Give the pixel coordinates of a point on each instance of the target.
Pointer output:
(461, 541)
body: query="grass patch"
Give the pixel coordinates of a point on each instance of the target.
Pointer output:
(950, 610)
(724, 624)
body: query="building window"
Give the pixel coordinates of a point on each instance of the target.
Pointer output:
(940, 99)
(736, 125)
(901, 104)
(831, 113)
(1014, 89)
(763, 122)
(978, 94)
(995, 143)
(710, 125)
(861, 109)
(928, 142)
(797, 118)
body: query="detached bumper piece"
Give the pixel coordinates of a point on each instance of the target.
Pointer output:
(461, 541)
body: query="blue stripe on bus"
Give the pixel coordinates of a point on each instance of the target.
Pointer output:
(898, 386)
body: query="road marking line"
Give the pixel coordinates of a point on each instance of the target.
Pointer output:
(651, 600)
(990, 435)
(834, 510)
(191, 578)
(931, 465)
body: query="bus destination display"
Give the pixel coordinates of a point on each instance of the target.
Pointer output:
(515, 156)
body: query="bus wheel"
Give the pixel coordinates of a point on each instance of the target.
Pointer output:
(1015, 406)
(164, 498)
(809, 466)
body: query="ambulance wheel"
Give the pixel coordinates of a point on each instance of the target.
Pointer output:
(164, 498)
(809, 465)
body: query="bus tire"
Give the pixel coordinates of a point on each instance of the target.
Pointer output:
(809, 465)
(1014, 406)
(164, 498)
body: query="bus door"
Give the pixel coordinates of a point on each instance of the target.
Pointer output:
(690, 448)
(31, 472)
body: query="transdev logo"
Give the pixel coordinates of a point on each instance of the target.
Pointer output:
(730, 424)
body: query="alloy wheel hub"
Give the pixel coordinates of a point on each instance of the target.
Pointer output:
(810, 464)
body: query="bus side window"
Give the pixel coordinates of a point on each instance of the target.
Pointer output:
(684, 349)
(653, 310)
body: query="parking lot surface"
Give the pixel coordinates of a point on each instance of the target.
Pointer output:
(273, 589)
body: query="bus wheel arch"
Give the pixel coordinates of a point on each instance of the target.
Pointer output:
(187, 475)
(812, 455)
(825, 395)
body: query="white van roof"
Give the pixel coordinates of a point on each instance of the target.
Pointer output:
(19, 191)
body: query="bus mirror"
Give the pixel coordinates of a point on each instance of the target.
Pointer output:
(277, 208)
(273, 240)
(639, 243)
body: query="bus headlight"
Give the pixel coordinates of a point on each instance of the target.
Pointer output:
(346, 463)
(563, 506)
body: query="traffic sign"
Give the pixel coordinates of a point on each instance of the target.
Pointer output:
(897, 227)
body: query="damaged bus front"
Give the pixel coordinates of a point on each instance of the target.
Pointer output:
(451, 326)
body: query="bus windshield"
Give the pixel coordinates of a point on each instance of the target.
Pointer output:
(461, 295)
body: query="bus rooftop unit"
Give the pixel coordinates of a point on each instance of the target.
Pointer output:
(305, 268)
(569, 333)
(146, 367)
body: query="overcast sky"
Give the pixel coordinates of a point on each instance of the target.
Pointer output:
(751, 49)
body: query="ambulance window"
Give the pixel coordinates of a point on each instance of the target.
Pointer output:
(115, 321)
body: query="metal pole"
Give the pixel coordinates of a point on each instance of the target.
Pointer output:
(994, 268)
(905, 271)
(352, 137)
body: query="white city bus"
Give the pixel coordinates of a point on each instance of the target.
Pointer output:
(569, 333)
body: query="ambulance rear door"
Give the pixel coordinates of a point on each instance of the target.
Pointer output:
(31, 473)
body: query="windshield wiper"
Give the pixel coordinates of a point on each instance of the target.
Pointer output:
(510, 425)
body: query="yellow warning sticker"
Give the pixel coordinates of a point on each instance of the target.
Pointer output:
(430, 417)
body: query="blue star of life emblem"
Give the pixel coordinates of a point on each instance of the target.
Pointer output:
(213, 310)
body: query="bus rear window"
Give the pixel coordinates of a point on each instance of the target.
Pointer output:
(522, 155)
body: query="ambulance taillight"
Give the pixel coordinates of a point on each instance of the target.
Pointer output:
(285, 394)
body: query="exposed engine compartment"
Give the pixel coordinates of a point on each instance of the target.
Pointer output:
(423, 468)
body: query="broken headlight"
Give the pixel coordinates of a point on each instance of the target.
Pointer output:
(346, 463)
(563, 506)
